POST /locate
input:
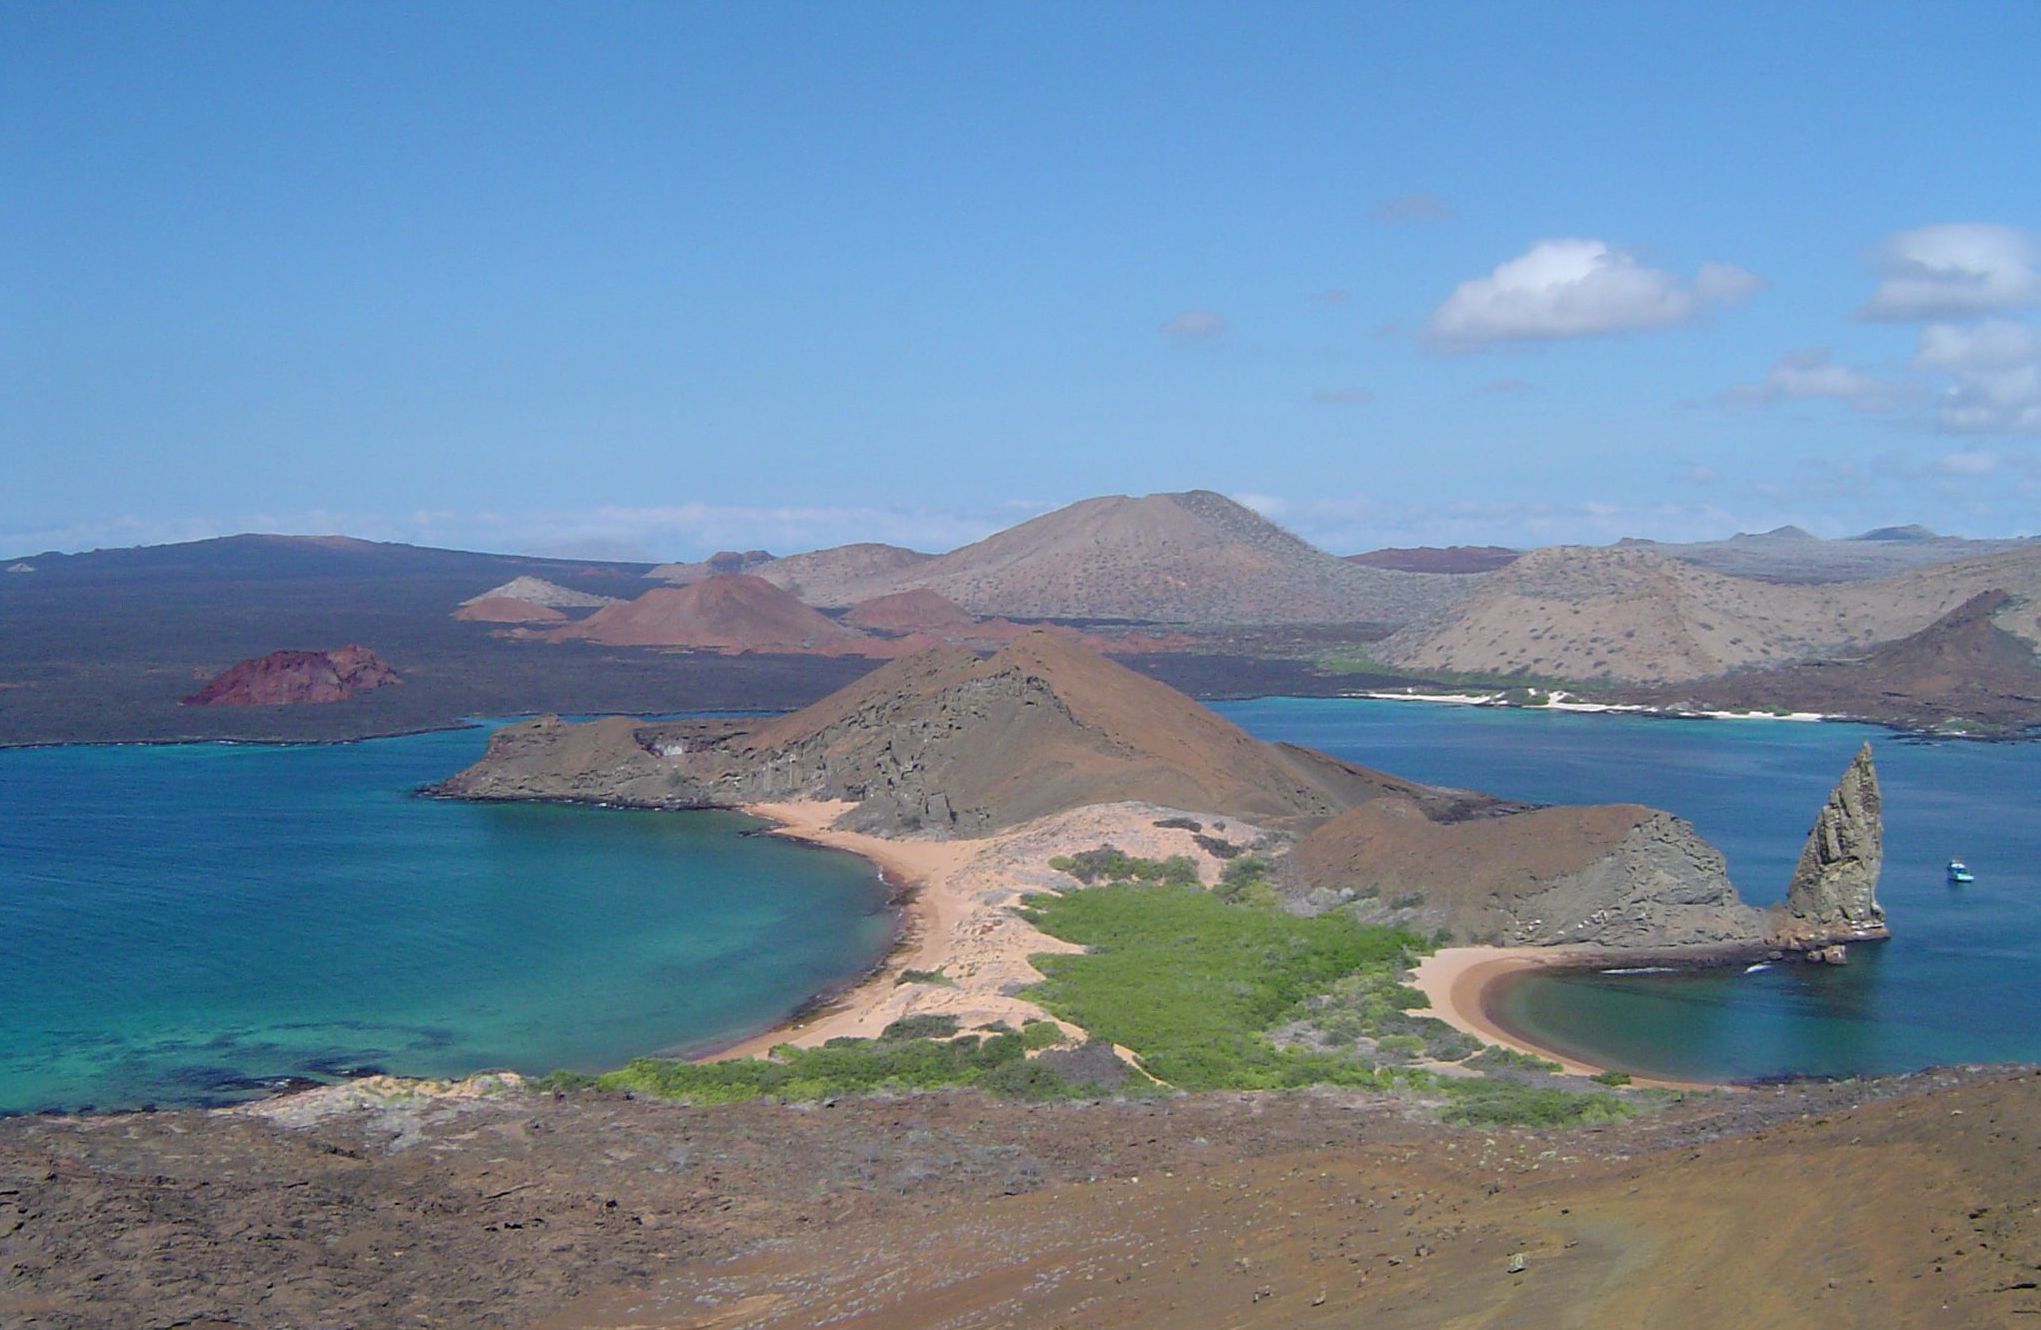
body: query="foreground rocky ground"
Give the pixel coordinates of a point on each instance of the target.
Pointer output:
(1902, 1202)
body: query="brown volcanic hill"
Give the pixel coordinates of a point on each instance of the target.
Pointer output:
(946, 743)
(725, 612)
(507, 609)
(1614, 874)
(917, 611)
(1196, 557)
(1632, 614)
(1963, 666)
(291, 678)
(1436, 559)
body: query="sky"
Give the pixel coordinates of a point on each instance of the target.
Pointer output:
(651, 280)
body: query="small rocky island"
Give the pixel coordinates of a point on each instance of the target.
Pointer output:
(944, 745)
(297, 678)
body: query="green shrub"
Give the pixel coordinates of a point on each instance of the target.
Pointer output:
(1487, 1102)
(1193, 984)
(1611, 1077)
(1042, 1034)
(920, 1027)
(1497, 1058)
(936, 977)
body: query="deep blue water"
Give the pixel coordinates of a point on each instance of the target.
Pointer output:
(176, 922)
(1960, 980)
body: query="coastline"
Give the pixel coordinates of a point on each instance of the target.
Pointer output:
(1567, 702)
(1462, 984)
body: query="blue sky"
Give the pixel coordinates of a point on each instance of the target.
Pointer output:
(660, 279)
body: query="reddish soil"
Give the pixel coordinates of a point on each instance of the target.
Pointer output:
(724, 612)
(1879, 1203)
(503, 609)
(915, 611)
(294, 678)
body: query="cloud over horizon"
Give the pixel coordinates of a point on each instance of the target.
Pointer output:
(1996, 368)
(1567, 288)
(1954, 270)
(1805, 375)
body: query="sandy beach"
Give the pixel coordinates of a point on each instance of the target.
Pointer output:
(1459, 981)
(958, 899)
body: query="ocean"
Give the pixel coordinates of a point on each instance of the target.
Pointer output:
(189, 924)
(1960, 981)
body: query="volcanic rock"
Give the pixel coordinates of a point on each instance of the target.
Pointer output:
(291, 678)
(1834, 892)
(1618, 875)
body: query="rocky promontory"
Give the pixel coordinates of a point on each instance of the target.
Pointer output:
(295, 678)
(944, 744)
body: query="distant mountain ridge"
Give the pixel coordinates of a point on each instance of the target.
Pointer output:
(1633, 614)
(1194, 558)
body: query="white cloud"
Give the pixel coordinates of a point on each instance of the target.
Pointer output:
(1974, 462)
(1194, 325)
(1953, 271)
(1811, 374)
(1418, 208)
(1996, 371)
(1579, 288)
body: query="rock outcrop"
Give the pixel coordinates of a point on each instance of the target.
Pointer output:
(947, 744)
(1834, 892)
(1614, 875)
(294, 678)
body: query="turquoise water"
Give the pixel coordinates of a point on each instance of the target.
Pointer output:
(1960, 981)
(179, 924)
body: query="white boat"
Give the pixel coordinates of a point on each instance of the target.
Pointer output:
(1960, 872)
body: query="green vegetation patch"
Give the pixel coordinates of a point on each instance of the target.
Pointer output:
(1193, 984)
(1489, 1102)
(1106, 864)
(900, 1060)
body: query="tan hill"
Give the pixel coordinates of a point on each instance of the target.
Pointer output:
(947, 743)
(296, 678)
(1963, 668)
(726, 612)
(1632, 614)
(538, 591)
(506, 609)
(843, 574)
(919, 611)
(1436, 559)
(1196, 557)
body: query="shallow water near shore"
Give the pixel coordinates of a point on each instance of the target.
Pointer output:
(180, 924)
(1959, 982)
